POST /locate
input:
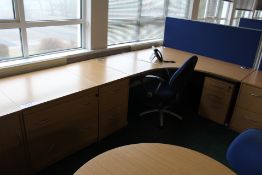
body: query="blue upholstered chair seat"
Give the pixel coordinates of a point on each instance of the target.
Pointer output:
(245, 153)
(165, 92)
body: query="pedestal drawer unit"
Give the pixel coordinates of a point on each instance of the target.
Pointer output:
(248, 111)
(61, 127)
(113, 107)
(215, 99)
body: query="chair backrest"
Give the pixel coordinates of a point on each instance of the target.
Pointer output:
(245, 153)
(181, 77)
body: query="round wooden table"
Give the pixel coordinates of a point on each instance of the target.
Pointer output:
(153, 159)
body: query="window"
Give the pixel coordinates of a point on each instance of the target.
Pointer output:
(258, 14)
(140, 20)
(179, 8)
(214, 11)
(244, 9)
(31, 27)
(241, 14)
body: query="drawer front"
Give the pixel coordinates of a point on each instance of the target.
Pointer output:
(112, 120)
(213, 111)
(218, 90)
(250, 98)
(12, 151)
(215, 99)
(243, 119)
(61, 130)
(114, 94)
(113, 107)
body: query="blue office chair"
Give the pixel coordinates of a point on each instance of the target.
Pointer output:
(162, 93)
(245, 153)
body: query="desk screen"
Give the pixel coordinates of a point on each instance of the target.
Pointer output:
(250, 23)
(226, 43)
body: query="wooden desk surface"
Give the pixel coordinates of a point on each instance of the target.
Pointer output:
(93, 71)
(206, 65)
(33, 88)
(255, 79)
(7, 106)
(129, 63)
(153, 159)
(29, 89)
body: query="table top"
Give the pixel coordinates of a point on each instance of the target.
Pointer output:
(27, 90)
(255, 79)
(7, 106)
(205, 64)
(153, 159)
(33, 88)
(93, 71)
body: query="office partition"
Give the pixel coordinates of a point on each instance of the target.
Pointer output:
(231, 44)
(250, 23)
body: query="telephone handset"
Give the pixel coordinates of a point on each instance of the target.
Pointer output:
(159, 56)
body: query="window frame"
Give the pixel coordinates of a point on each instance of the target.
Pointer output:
(20, 23)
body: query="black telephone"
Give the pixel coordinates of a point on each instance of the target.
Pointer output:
(159, 56)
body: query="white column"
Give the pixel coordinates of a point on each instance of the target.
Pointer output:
(98, 20)
(195, 8)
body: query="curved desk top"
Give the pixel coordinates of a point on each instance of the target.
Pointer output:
(30, 89)
(7, 106)
(137, 62)
(255, 79)
(153, 159)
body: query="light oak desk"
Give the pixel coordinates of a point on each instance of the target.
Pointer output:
(60, 110)
(152, 159)
(248, 112)
(133, 63)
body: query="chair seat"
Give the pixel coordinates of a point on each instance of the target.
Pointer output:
(165, 92)
(245, 153)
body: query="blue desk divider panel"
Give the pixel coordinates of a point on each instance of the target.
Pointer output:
(226, 43)
(250, 23)
(260, 68)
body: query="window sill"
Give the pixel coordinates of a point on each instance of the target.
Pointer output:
(37, 63)
(63, 58)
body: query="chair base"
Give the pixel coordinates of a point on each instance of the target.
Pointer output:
(161, 115)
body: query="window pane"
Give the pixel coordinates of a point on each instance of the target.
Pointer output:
(6, 10)
(53, 38)
(258, 14)
(214, 11)
(179, 8)
(10, 44)
(152, 30)
(152, 8)
(121, 32)
(202, 9)
(122, 21)
(119, 9)
(52, 9)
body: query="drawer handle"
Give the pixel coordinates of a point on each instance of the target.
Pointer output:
(255, 95)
